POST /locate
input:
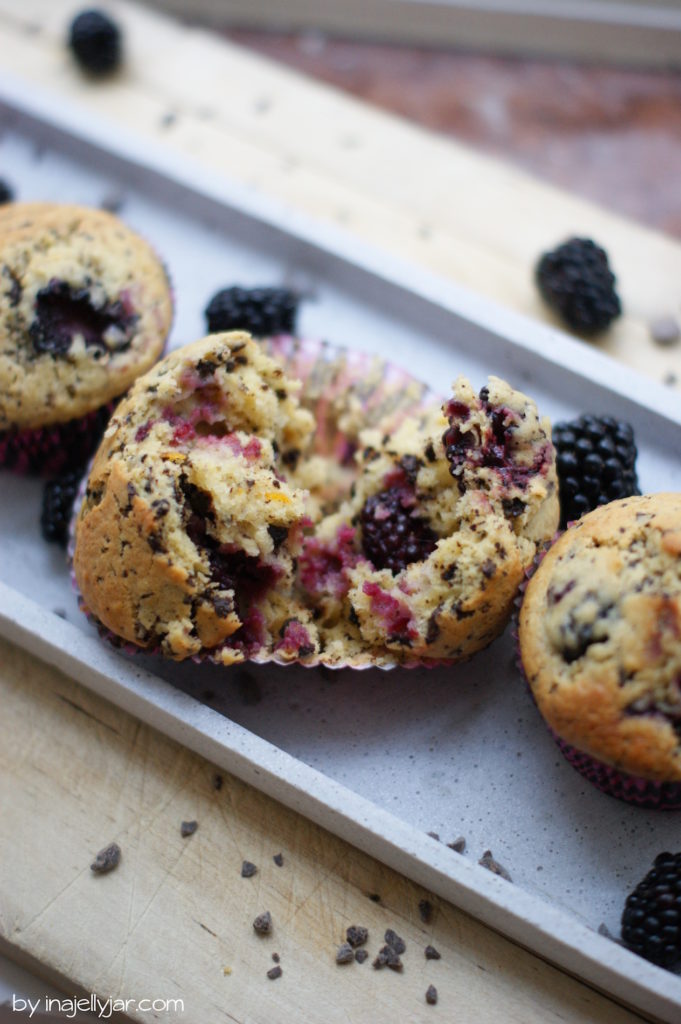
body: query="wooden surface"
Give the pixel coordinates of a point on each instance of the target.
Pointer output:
(76, 773)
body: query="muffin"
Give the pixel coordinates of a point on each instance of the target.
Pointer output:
(600, 642)
(85, 308)
(423, 561)
(188, 533)
(251, 528)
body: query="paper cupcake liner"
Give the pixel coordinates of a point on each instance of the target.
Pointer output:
(338, 386)
(632, 789)
(54, 449)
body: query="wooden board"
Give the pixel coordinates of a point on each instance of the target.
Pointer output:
(461, 214)
(77, 773)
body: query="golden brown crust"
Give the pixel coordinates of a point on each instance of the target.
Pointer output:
(103, 283)
(600, 636)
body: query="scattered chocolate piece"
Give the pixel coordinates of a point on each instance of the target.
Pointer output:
(375, 897)
(431, 995)
(387, 957)
(395, 941)
(432, 953)
(488, 861)
(263, 923)
(276, 957)
(107, 859)
(356, 935)
(426, 911)
(458, 845)
(278, 859)
(274, 973)
(248, 869)
(217, 781)
(345, 954)
(665, 330)
(434, 835)
(361, 955)
(188, 828)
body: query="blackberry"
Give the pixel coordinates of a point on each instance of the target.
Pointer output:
(261, 311)
(575, 280)
(6, 192)
(392, 536)
(596, 463)
(58, 498)
(96, 42)
(651, 921)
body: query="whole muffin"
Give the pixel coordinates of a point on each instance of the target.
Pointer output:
(600, 642)
(423, 562)
(188, 532)
(85, 308)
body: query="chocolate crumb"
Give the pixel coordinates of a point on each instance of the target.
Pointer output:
(395, 941)
(434, 835)
(374, 897)
(488, 861)
(426, 911)
(278, 859)
(188, 828)
(431, 995)
(248, 869)
(345, 954)
(387, 957)
(361, 955)
(263, 923)
(217, 782)
(274, 973)
(458, 845)
(431, 953)
(107, 859)
(276, 957)
(356, 935)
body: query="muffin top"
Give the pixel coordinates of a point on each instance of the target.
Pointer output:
(600, 635)
(85, 307)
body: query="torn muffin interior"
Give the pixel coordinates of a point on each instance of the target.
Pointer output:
(236, 540)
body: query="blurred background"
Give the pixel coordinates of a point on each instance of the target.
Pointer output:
(583, 93)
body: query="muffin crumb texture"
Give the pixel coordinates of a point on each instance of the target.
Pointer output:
(600, 636)
(223, 519)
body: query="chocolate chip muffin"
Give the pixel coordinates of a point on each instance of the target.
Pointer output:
(188, 532)
(600, 641)
(85, 308)
(424, 560)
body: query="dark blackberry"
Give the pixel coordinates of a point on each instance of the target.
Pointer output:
(58, 498)
(96, 42)
(262, 311)
(575, 280)
(651, 921)
(392, 536)
(596, 463)
(6, 192)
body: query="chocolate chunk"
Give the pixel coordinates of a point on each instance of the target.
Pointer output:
(431, 953)
(387, 957)
(263, 923)
(188, 828)
(274, 973)
(107, 859)
(248, 869)
(488, 861)
(276, 957)
(217, 782)
(361, 955)
(278, 859)
(345, 954)
(431, 995)
(395, 941)
(458, 845)
(356, 935)
(434, 835)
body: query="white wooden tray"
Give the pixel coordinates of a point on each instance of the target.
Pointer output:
(379, 758)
